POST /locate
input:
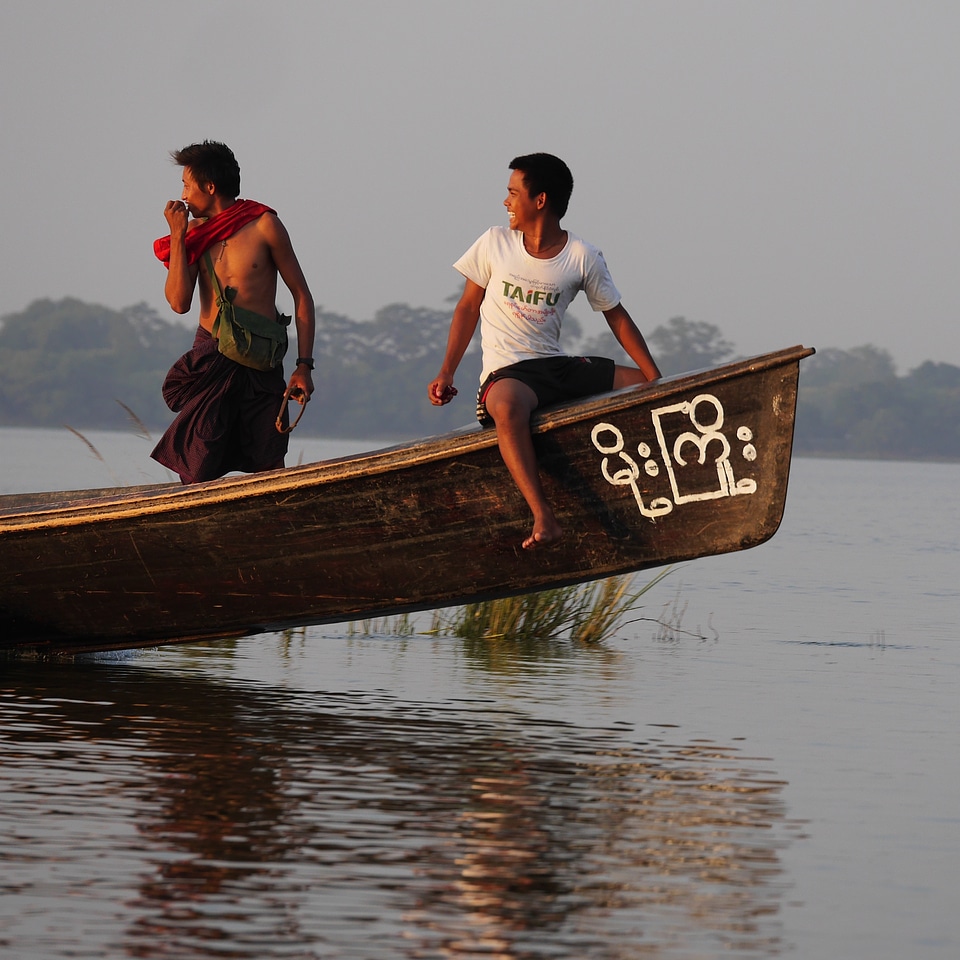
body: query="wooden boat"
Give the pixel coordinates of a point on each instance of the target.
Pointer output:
(686, 467)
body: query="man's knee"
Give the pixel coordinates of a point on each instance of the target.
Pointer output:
(510, 399)
(627, 377)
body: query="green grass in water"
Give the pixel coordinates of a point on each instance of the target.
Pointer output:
(584, 612)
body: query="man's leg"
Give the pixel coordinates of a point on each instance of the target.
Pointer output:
(260, 445)
(510, 403)
(627, 377)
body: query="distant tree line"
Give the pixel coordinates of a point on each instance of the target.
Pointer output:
(853, 404)
(74, 363)
(70, 363)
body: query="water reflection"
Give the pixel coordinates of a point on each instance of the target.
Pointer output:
(532, 657)
(264, 822)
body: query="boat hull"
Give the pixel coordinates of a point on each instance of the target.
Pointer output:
(687, 467)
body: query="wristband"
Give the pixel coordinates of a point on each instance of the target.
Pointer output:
(305, 360)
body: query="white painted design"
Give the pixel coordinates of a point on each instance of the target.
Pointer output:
(628, 474)
(650, 466)
(749, 451)
(696, 461)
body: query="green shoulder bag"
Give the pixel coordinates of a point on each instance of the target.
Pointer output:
(249, 338)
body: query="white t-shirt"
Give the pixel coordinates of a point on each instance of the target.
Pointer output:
(526, 298)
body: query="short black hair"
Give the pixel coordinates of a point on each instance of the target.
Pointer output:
(545, 173)
(211, 162)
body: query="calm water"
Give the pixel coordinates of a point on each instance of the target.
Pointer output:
(763, 764)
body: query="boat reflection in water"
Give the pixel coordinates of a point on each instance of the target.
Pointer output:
(264, 821)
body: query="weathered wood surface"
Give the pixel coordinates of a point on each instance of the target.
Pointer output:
(686, 467)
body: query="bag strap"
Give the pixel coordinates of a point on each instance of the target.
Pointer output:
(215, 328)
(213, 273)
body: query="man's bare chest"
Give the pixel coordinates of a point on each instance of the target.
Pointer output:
(243, 261)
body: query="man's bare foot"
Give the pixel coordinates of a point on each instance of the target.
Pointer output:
(543, 536)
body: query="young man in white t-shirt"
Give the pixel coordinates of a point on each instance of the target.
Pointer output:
(519, 282)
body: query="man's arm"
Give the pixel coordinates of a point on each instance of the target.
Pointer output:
(631, 339)
(305, 317)
(181, 277)
(462, 327)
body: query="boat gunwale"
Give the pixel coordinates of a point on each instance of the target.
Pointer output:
(80, 506)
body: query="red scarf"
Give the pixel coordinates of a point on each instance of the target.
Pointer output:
(214, 230)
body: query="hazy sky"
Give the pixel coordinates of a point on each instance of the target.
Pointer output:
(787, 171)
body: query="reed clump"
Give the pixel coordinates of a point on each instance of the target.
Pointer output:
(585, 613)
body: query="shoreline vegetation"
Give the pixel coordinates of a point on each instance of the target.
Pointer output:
(82, 366)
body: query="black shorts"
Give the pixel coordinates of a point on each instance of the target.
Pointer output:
(552, 379)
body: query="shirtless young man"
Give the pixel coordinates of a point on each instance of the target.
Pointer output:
(227, 412)
(519, 282)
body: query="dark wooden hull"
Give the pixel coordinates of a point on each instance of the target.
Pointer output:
(686, 467)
